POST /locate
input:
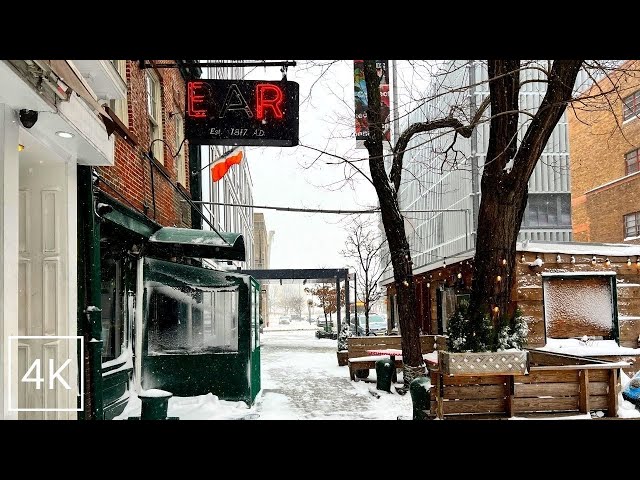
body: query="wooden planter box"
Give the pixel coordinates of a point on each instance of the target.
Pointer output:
(343, 357)
(483, 363)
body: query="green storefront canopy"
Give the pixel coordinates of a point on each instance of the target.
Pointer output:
(172, 241)
(199, 243)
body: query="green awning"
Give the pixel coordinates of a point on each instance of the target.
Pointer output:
(124, 216)
(178, 275)
(198, 243)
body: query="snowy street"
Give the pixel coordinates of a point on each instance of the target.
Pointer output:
(301, 380)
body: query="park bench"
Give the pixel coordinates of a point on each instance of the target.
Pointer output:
(359, 361)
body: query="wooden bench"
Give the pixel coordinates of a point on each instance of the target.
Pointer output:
(357, 347)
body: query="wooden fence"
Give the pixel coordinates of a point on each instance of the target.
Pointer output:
(555, 383)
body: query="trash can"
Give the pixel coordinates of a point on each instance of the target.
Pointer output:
(384, 373)
(155, 404)
(421, 397)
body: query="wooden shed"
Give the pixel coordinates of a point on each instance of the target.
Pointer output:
(577, 298)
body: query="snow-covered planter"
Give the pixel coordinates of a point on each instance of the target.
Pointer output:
(486, 348)
(343, 357)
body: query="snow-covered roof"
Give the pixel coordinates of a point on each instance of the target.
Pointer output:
(577, 274)
(581, 248)
(587, 347)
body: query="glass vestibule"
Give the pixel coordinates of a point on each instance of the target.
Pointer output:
(200, 331)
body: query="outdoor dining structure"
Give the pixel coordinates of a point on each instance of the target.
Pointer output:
(581, 302)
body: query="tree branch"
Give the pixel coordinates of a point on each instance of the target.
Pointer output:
(421, 127)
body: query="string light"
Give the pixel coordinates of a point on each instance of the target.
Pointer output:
(522, 259)
(459, 275)
(504, 261)
(428, 284)
(607, 262)
(498, 278)
(496, 309)
(628, 261)
(638, 262)
(573, 259)
(593, 260)
(558, 259)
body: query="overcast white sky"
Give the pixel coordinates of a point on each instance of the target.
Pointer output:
(289, 177)
(285, 177)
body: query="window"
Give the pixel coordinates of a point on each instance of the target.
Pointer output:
(568, 315)
(631, 106)
(632, 160)
(121, 107)
(117, 307)
(154, 113)
(632, 225)
(188, 320)
(180, 149)
(548, 210)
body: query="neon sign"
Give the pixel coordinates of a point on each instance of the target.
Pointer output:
(242, 112)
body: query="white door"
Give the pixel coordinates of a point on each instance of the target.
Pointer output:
(43, 298)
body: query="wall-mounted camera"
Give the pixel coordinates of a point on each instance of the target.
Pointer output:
(28, 118)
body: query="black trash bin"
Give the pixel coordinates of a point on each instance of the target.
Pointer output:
(384, 374)
(421, 397)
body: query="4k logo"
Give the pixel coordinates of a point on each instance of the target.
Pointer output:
(53, 375)
(47, 373)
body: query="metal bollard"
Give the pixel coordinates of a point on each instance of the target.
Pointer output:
(384, 374)
(155, 404)
(421, 397)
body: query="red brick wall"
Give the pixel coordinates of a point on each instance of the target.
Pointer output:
(598, 142)
(131, 175)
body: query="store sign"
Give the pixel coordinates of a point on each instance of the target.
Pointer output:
(242, 112)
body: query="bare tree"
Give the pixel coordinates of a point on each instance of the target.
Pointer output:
(363, 245)
(504, 190)
(514, 148)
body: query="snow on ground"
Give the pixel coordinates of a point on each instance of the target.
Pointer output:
(301, 380)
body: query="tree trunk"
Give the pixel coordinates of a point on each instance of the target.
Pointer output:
(495, 260)
(393, 223)
(505, 190)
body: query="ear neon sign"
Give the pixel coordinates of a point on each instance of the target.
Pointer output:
(242, 112)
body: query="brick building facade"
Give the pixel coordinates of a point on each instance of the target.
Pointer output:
(130, 177)
(604, 138)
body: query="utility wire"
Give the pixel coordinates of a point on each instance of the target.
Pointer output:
(319, 210)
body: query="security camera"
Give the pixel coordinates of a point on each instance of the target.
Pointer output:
(28, 118)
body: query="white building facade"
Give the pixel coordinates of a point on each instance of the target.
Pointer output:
(235, 188)
(49, 124)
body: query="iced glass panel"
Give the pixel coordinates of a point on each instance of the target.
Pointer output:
(578, 306)
(183, 319)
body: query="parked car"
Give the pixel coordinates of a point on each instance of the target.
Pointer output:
(296, 318)
(320, 321)
(377, 325)
(284, 320)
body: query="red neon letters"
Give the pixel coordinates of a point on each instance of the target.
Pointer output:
(270, 96)
(194, 100)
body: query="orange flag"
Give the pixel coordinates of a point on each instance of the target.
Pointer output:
(221, 166)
